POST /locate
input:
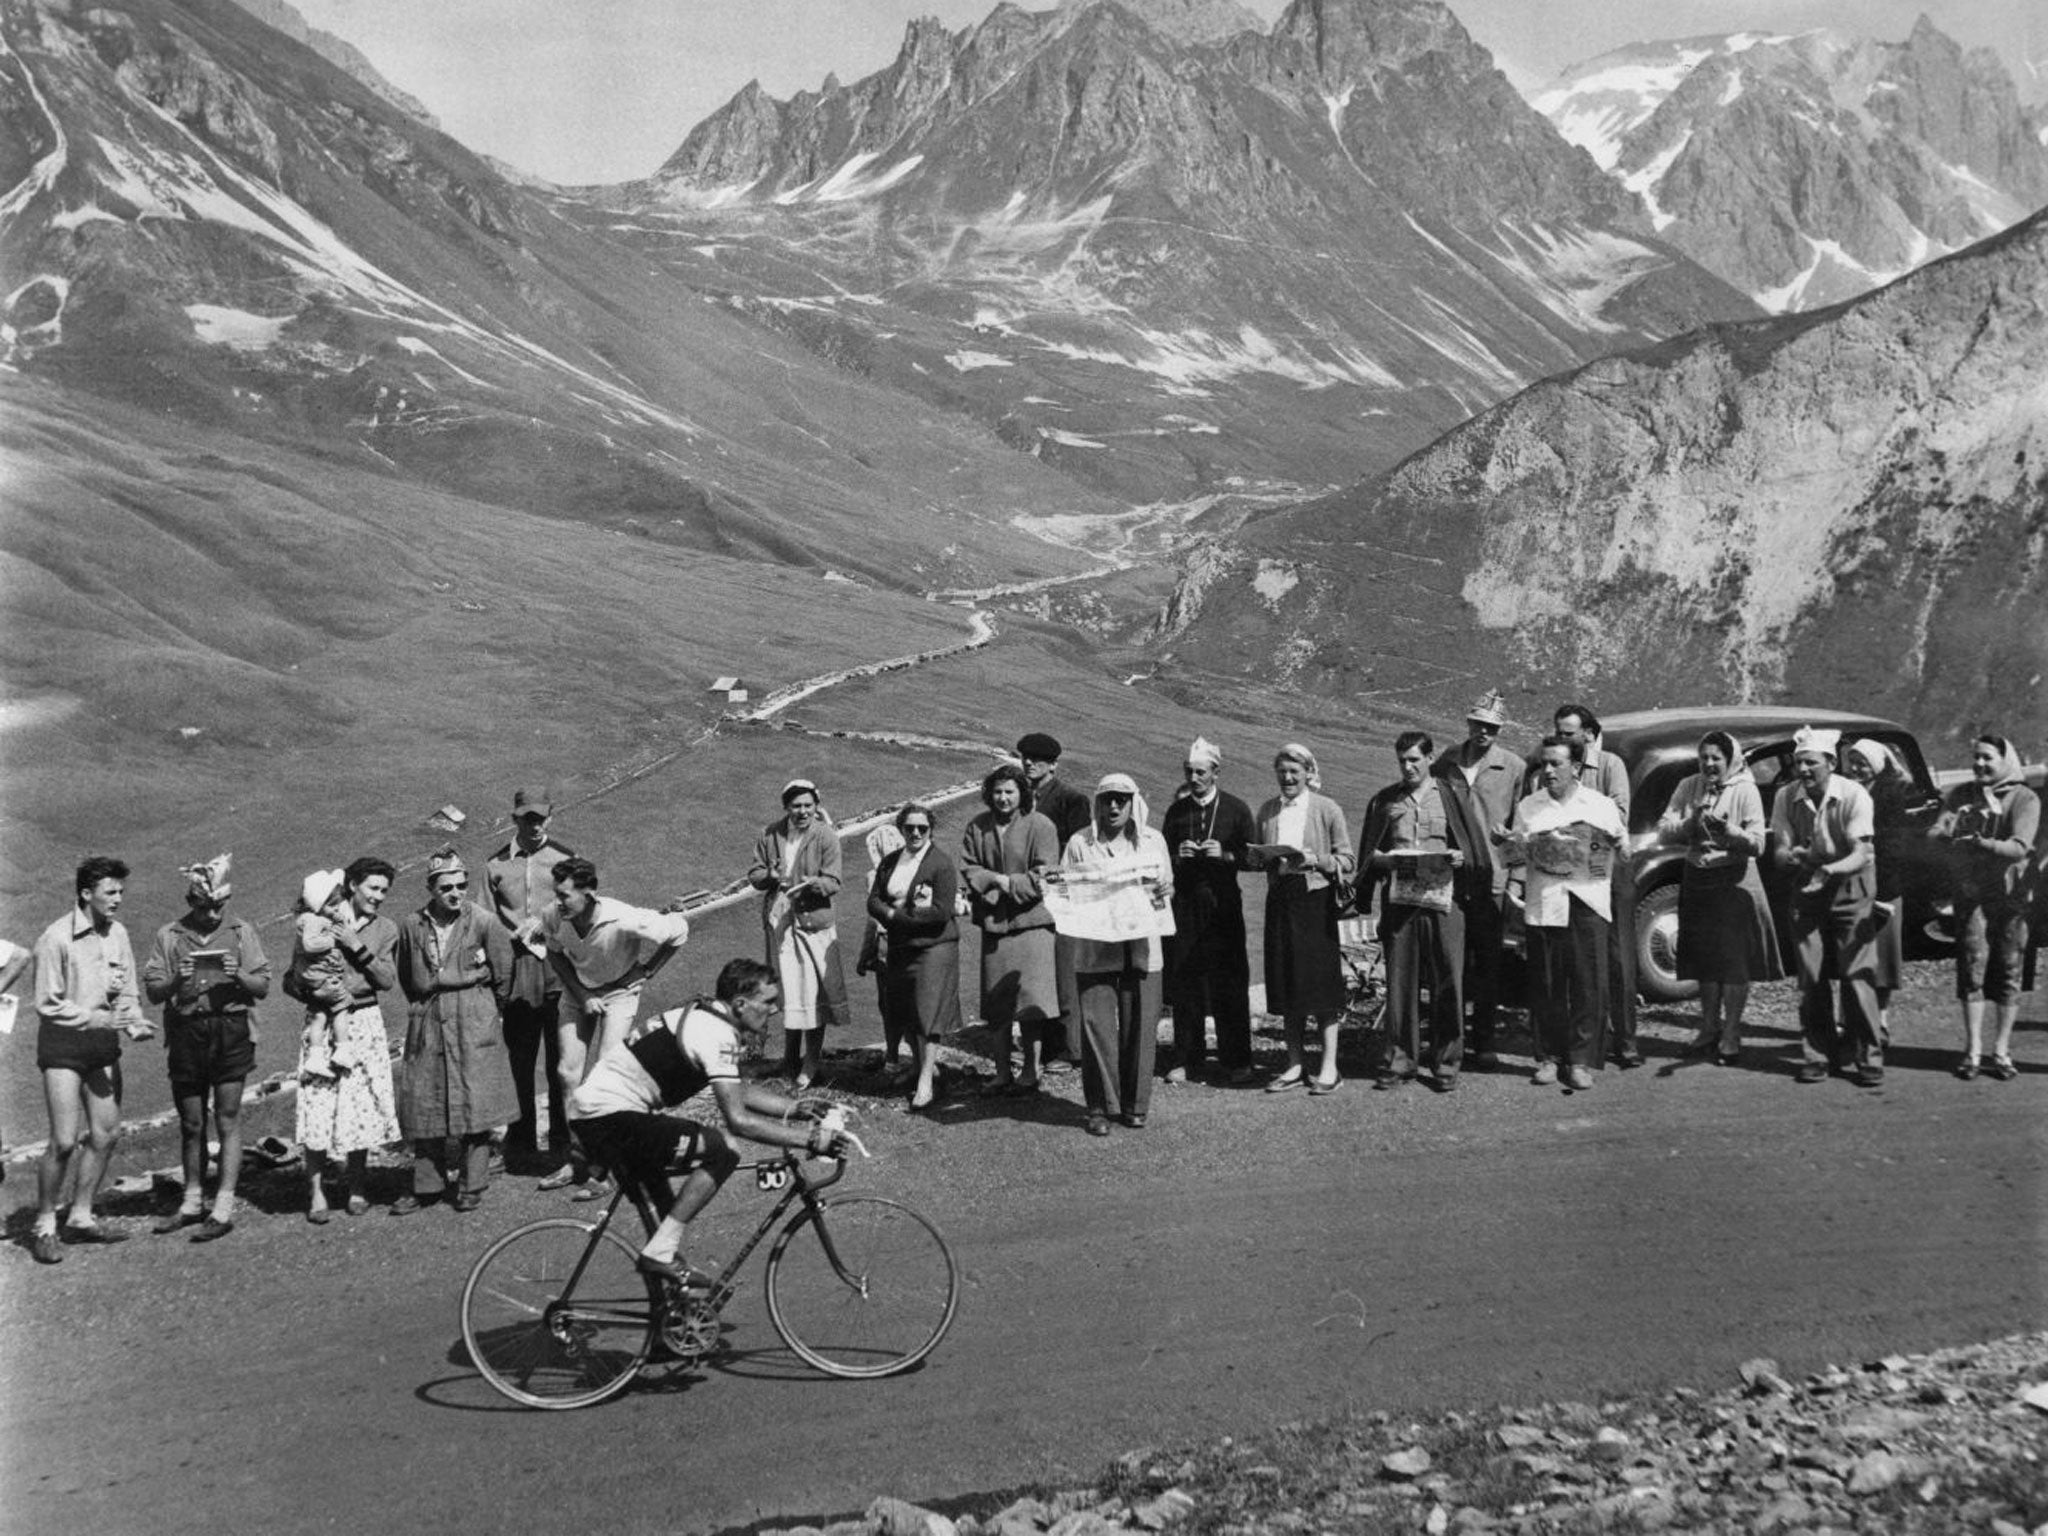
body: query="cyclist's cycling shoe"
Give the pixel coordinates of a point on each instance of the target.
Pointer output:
(663, 1269)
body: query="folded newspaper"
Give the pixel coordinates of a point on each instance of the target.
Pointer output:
(1107, 903)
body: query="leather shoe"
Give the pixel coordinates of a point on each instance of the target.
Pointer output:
(212, 1230)
(1098, 1125)
(1317, 1087)
(1812, 1072)
(1287, 1080)
(319, 1215)
(676, 1271)
(408, 1205)
(1445, 1082)
(47, 1249)
(93, 1234)
(469, 1201)
(1135, 1122)
(1870, 1076)
(1628, 1061)
(1544, 1075)
(177, 1220)
(1578, 1079)
(561, 1178)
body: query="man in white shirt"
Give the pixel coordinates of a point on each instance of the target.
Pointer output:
(1824, 830)
(617, 1109)
(1608, 774)
(1566, 838)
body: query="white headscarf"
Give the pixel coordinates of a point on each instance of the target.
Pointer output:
(1204, 751)
(1810, 739)
(1124, 784)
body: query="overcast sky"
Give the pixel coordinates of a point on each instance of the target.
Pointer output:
(604, 90)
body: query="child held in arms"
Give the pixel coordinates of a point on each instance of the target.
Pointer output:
(320, 974)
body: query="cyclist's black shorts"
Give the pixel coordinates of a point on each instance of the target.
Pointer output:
(645, 1147)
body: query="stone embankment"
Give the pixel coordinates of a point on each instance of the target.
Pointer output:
(1951, 1441)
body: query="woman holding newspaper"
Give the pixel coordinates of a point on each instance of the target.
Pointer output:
(1113, 895)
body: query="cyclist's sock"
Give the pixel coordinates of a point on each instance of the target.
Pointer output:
(667, 1242)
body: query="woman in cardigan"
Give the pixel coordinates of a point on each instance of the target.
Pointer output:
(1992, 823)
(913, 899)
(1120, 980)
(1002, 854)
(1304, 967)
(1725, 937)
(351, 1110)
(796, 869)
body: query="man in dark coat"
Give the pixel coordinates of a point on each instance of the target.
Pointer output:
(1423, 852)
(1069, 811)
(1208, 970)
(1486, 779)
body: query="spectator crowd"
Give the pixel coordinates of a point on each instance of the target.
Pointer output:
(1094, 924)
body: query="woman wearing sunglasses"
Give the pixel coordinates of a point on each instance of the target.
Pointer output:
(913, 898)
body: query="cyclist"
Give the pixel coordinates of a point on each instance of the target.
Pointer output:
(667, 1060)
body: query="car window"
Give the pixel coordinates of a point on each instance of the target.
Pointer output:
(1771, 766)
(1651, 798)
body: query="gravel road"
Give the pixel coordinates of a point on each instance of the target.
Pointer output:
(1247, 1259)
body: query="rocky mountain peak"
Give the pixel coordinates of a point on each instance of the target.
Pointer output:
(1185, 21)
(1356, 39)
(338, 52)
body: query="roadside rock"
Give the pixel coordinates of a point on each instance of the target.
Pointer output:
(894, 1517)
(1405, 1464)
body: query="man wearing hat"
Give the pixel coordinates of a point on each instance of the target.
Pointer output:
(521, 876)
(207, 970)
(1208, 969)
(1069, 811)
(1484, 780)
(454, 964)
(1824, 830)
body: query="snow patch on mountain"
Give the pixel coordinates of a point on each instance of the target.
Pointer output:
(1644, 182)
(968, 361)
(1195, 357)
(219, 326)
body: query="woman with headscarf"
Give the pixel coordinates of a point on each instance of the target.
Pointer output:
(1003, 853)
(350, 1109)
(796, 869)
(913, 898)
(1305, 849)
(1991, 823)
(1725, 937)
(1870, 763)
(454, 963)
(1120, 980)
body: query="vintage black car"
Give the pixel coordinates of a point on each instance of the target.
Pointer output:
(1659, 747)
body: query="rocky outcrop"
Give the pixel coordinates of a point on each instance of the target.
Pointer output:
(1809, 168)
(343, 55)
(1849, 508)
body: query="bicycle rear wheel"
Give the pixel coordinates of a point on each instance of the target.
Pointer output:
(539, 1341)
(886, 1302)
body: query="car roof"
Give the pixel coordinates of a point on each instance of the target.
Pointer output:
(1651, 730)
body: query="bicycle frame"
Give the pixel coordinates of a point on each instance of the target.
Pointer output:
(802, 1187)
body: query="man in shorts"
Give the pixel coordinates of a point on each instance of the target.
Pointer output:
(667, 1061)
(85, 1002)
(207, 969)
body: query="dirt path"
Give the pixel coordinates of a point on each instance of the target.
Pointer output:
(1248, 1259)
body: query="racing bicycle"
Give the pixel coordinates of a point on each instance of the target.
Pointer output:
(556, 1315)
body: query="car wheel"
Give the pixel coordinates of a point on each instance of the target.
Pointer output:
(1657, 947)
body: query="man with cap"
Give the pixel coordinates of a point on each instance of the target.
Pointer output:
(521, 876)
(1208, 969)
(1069, 811)
(1484, 778)
(454, 962)
(207, 970)
(1824, 831)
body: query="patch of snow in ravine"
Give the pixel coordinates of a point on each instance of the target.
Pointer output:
(967, 362)
(1274, 581)
(219, 326)
(1070, 439)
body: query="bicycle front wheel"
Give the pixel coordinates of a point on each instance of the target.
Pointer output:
(861, 1286)
(541, 1340)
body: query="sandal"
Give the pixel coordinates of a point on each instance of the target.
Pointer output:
(2002, 1068)
(1966, 1068)
(1291, 1078)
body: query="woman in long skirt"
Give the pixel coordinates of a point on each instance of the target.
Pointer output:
(796, 869)
(351, 1109)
